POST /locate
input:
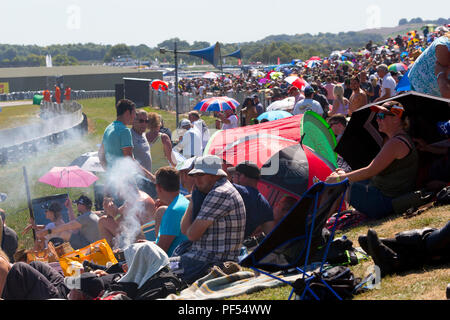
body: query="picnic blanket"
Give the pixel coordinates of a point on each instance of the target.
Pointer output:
(217, 285)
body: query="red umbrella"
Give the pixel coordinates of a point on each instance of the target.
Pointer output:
(68, 177)
(288, 128)
(296, 82)
(159, 84)
(314, 58)
(292, 171)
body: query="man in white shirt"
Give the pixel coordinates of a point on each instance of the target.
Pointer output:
(308, 103)
(191, 142)
(194, 117)
(388, 83)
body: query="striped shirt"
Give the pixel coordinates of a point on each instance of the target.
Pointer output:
(222, 241)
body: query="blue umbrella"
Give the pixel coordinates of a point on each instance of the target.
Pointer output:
(274, 115)
(404, 84)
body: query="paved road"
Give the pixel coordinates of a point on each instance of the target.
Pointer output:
(15, 103)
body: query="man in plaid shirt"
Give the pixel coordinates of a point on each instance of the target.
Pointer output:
(217, 232)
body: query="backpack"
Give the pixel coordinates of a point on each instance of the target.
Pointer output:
(340, 279)
(443, 197)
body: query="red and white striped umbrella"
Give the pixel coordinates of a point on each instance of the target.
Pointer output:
(296, 82)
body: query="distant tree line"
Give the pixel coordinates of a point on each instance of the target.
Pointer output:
(440, 21)
(267, 50)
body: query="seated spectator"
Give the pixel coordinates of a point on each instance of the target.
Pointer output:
(392, 173)
(338, 123)
(187, 181)
(259, 213)
(282, 207)
(143, 274)
(34, 281)
(137, 209)
(84, 229)
(52, 213)
(408, 249)
(168, 218)
(217, 232)
(8, 237)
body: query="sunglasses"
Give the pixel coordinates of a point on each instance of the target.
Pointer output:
(382, 115)
(198, 175)
(144, 121)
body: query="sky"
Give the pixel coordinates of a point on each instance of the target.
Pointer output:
(150, 22)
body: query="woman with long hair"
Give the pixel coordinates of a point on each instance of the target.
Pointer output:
(340, 103)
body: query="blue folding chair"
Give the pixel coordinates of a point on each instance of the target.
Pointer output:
(298, 235)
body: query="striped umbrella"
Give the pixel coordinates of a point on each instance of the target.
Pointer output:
(398, 67)
(296, 82)
(216, 104)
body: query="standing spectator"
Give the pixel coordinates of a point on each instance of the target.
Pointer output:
(168, 218)
(429, 73)
(191, 142)
(358, 97)
(141, 152)
(308, 103)
(201, 125)
(160, 143)
(8, 237)
(248, 111)
(228, 119)
(320, 98)
(141, 147)
(296, 93)
(340, 104)
(164, 129)
(376, 88)
(258, 104)
(366, 85)
(217, 232)
(117, 141)
(388, 83)
(57, 94)
(329, 86)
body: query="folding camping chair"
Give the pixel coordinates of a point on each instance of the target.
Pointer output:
(39, 212)
(298, 235)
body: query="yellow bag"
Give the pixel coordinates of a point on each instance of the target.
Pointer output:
(98, 252)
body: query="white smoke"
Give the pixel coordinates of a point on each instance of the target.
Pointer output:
(121, 180)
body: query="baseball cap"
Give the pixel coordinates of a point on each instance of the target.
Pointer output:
(185, 123)
(309, 90)
(209, 165)
(84, 200)
(53, 207)
(394, 109)
(186, 164)
(248, 169)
